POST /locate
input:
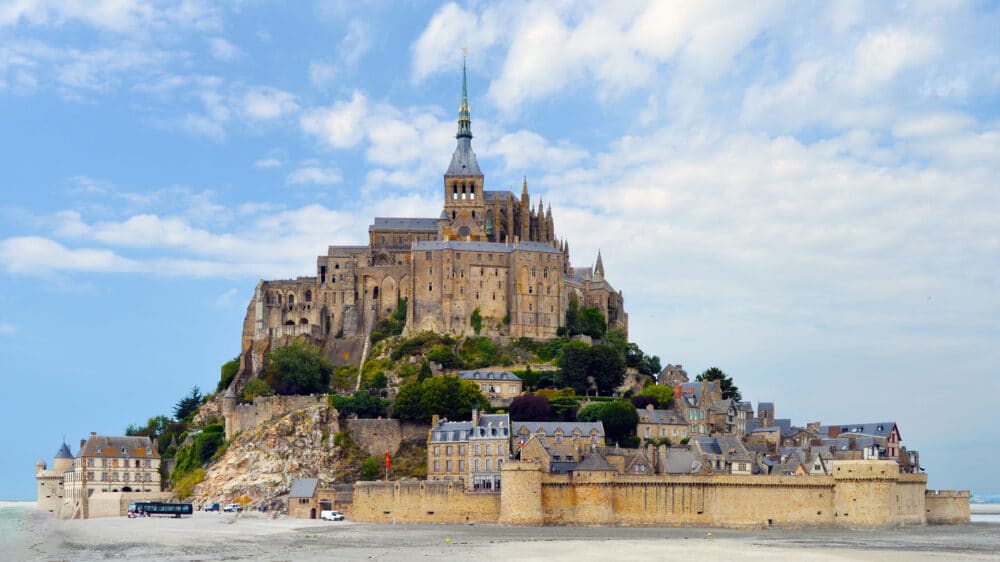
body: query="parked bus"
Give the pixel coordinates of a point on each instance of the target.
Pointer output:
(159, 508)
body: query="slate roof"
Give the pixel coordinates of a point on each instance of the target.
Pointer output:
(663, 417)
(532, 246)
(490, 426)
(64, 452)
(786, 427)
(452, 432)
(765, 407)
(404, 224)
(132, 446)
(681, 460)
(691, 391)
(744, 407)
(550, 427)
(720, 406)
(594, 463)
(463, 160)
(877, 429)
(488, 375)
(303, 488)
(496, 247)
(491, 195)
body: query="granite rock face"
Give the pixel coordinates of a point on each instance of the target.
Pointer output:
(262, 462)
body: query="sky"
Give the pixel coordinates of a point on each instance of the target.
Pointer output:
(804, 194)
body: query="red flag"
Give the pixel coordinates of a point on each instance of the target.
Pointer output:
(388, 462)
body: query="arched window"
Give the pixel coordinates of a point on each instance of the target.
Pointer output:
(309, 296)
(291, 299)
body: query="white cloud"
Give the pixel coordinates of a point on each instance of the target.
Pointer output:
(321, 73)
(355, 43)
(269, 103)
(314, 175)
(267, 163)
(340, 125)
(7, 329)
(227, 299)
(111, 15)
(34, 255)
(223, 50)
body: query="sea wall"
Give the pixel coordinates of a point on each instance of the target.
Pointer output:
(859, 494)
(947, 506)
(115, 504)
(422, 501)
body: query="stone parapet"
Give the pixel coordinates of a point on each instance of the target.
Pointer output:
(947, 506)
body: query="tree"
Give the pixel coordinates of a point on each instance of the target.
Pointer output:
(572, 314)
(661, 395)
(369, 470)
(188, 405)
(229, 370)
(575, 364)
(476, 321)
(298, 368)
(446, 396)
(530, 407)
(619, 419)
(592, 322)
(425, 371)
(729, 390)
(616, 339)
(254, 388)
(607, 368)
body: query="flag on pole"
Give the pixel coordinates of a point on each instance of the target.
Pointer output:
(388, 461)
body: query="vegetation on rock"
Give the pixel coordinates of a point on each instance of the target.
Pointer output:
(298, 368)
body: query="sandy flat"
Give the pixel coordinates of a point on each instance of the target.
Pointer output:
(211, 536)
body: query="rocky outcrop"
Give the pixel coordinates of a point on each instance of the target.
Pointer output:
(263, 462)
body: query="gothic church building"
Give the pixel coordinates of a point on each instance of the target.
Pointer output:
(488, 250)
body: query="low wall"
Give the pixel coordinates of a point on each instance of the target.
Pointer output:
(115, 504)
(421, 501)
(376, 436)
(947, 506)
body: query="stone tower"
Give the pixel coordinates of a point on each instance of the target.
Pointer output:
(229, 411)
(521, 494)
(465, 207)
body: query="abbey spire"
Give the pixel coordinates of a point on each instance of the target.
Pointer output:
(463, 161)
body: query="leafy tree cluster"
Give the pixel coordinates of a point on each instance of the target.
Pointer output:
(659, 396)
(298, 368)
(391, 326)
(583, 320)
(203, 448)
(476, 321)
(587, 369)
(420, 343)
(445, 356)
(363, 404)
(445, 396)
(619, 419)
(634, 356)
(229, 370)
(530, 407)
(729, 390)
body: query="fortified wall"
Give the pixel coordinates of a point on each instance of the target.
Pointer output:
(857, 494)
(376, 436)
(239, 417)
(947, 506)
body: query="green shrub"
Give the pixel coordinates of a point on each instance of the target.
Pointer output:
(184, 487)
(444, 355)
(370, 469)
(229, 370)
(254, 388)
(298, 368)
(476, 321)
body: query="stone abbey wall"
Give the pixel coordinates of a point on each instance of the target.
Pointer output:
(861, 493)
(422, 501)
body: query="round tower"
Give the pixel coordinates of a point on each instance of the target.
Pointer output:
(63, 460)
(229, 411)
(521, 493)
(39, 466)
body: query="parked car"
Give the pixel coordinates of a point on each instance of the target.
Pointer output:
(233, 507)
(331, 516)
(211, 507)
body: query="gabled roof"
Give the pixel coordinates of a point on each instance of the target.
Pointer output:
(721, 406)
(131, 446)
(303, 488)
(594, 462)
(488, 376)
(765, 407)
(681, 460)
(549, 428)
(877, 429)
(663, 417)
(490, 195)
(451, 432)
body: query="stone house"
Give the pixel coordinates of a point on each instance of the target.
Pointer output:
(470, 452)
(660, 424)
(114, 464)
(722, 417)
(886, 435)
(767, 435)
(633, 462)
(765, 414)
(499, 387)
(307, 499)
(555, 458)
(692, 400)
(672, 376)
(724, 454)
(583, 435)
(744, 417)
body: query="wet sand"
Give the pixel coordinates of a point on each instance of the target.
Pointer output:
(211, 536)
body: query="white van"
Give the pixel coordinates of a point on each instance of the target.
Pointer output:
(331, 516)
